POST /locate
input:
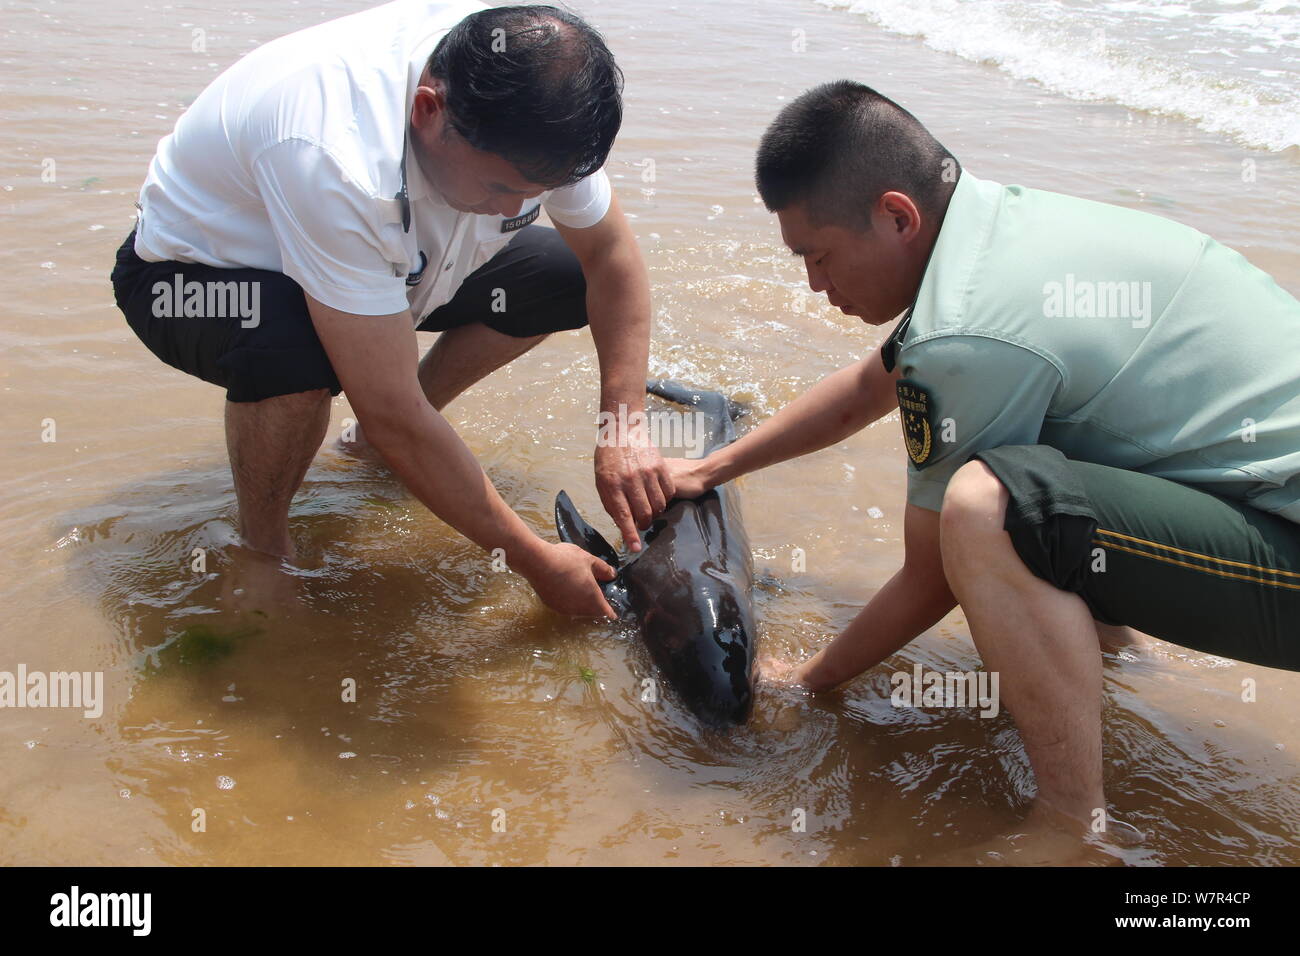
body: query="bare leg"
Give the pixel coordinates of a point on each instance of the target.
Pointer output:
(458, 359)
(1112, 637)
(1042, 641)
(465, 355)
(272, 444)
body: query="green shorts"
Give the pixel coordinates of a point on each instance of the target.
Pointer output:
(1181, 564)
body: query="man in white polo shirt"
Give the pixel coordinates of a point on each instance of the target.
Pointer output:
(338, 188)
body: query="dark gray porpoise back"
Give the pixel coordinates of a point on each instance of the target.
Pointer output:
(689, 589)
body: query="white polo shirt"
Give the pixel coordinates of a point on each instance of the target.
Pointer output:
(291, 161)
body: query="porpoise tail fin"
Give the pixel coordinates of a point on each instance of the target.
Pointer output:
(720, 410)
(736, 410)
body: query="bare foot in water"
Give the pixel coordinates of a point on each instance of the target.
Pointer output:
(258, 583)
(1046, 839)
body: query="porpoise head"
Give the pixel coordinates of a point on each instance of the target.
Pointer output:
(688, 588)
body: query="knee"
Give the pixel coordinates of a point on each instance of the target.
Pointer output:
(291, 407)
(312, 398)
(974, 504)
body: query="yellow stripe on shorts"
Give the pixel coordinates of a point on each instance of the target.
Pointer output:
(1156, 545)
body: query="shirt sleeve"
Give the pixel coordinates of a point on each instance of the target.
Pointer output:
(974, 393)
(327, 230)
(581, 205)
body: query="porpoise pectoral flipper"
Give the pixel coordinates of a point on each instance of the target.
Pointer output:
(688, 589)
(572, 529)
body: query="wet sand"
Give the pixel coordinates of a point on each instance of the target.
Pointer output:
(472, 698)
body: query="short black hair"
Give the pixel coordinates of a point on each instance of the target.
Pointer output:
(839, 146)
(535, 85)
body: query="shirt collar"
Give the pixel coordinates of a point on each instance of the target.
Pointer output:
(413, 185)
(952, 258)
(889, 351)
(416, 186)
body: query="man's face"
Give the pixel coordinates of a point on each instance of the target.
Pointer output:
(468, 179)
(874, 274)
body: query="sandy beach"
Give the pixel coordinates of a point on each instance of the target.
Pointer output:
(474, 697)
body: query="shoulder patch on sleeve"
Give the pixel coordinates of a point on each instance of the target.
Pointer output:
(914, 411)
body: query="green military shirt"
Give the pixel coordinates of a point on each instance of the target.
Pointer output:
(1115, 336)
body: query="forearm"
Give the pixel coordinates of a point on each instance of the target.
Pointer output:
(439, 469)
(618, 310)
(910, 603)
(839, 405)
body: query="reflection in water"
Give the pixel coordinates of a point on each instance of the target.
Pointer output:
(483, 729)
(472, 705)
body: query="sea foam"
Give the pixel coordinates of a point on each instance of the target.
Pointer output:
(1230, 66)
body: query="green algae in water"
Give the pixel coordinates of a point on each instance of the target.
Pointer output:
(201, 645)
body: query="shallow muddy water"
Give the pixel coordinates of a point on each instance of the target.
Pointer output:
(474, 704)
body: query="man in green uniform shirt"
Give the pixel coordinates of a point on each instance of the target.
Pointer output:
(1100, 407)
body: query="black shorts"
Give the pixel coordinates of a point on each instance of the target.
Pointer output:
(1178, 563)
(281, 354)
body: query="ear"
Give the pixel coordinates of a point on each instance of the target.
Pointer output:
(430, 105)
(900, 213)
